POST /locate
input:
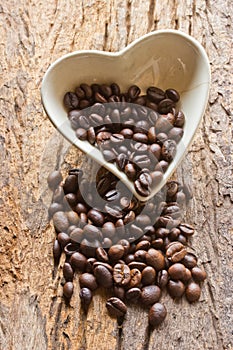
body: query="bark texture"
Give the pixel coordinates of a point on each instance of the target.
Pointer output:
(33, 314)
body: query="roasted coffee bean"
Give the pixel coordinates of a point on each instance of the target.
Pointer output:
(143, 220)
(109, 156)
(140, 137)
(113, 211)
(176, 251)
(103, 276)
(76, 235)
(71, 100)
(127, 133)
(175, 134)
(155, 149)
(78, 261)
(133, 294)
(137, 265)
(140, 255)
(157, 314)
(165, 106)
(162, 278)
(133, 92)
(57, 250)
(172, 189)
(168, 150)
(100, 98)
(145, 180)
(60, 221)
(54, 179)
(176, 288)
(186, 229)
(150, 295)
(96, 217)
(105, 90)
(155, 259)
(142, 191)
(174, 234)
(198, 274)
(54, 207)
(85, 295)
(115, 89)
(177, 271)
(68, 272)
(112, 195)
(148, 276)
(135, 278)
(193, 292)
(187, 276)
(121, 274)
(142, 161)
(109, 229)
(152, 135)
(116, 252)
(162, 125)
(81, 134)
(73, 218)
(182, 239)
(63, 239)
(144, 245)
(106, 265)
(172, 94)
(88, 280)
(101, 254)
(131, 171)
(189, 260)
(116, 307)
(180, 119)
(87, 90)
(155, 94)
(68, 289)
(91, 232)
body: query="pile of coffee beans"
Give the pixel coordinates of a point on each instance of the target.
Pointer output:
(134, 249)
(138, 132)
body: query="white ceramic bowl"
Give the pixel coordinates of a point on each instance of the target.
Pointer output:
(164, 58)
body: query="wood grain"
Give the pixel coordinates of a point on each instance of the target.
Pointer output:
(33, 314)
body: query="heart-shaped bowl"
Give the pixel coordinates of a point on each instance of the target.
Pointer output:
(164, 58)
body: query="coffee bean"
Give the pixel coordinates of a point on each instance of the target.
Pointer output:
(150, 295)
(155, 149)
(134, 91)
(155, 94)
(121, 274)
(127, 133)
(87, 280)
(155, 259)
(109, 229)
(133, 294)
(60, 221)
(81, 134)
(193, 292)
(189, 260)
(116, 307)
(177, 271)
(116, 252)
(103, 276)
(152, 135)
(140, 255)
(114, 211)
(96, 217)
(162, 278)
(176, 251)
(68, 289)
(54, 179)
(78, 261)
(186, 229)
(176, 288)
(157, 314)
(144, 245)
(115, 89)
(137, 265)
(85, 295)
(101, 254)
(165, 106)
(168, 150)
(68, 272)
(71, 248)
(198, 274)
(71, 100)
(63, 239)
(179, 119)
(57, 251)
(187, 276)
(131, 171)
(172, 94)
(135, 278)
(105, 90)
(148, 275)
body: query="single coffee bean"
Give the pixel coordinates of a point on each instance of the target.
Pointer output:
(103, 276)
(91, 232)
(68, 289)
(152, 135)
(180, 119)
(157, 314)
(140, 255)
(115, 89)
(78, 261)
(88, 280)
(54, 207)
(113, 211)
(155, 94)
(198, 274)
(101, 254)
(85, 295)
(87, 90)
(155, 259)
(133, 92)
(131, 171)
(140, 189)
(68, 272)
(60, 221)
(63, 239)
(176, 251)
(193, 292)
(189, 260)
(96, 217)
(177, 271)
(109, 229)
(186, 229)
(187, 276)
(73, 217)
(168, 150)
(100, 98)
(144, 245)
(155, 149)
(165, 106)
(105, 90)
(176, 288)
(148, 275)
(76, 235)
(172, 189)
(116, 252)
(135, 278)
(133, 294)
(116, 307)
(81, 134)
(162, 125)
(162, 278)
(172, 94)
(175, 134)
(150, 295)
(137, 265)
(140, 137)
(71, 100)
(121, 274)
(54, 179)
(127, 133)
(57, 250)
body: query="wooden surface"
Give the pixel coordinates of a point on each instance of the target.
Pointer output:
(32, 312)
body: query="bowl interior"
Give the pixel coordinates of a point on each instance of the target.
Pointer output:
(166, 59)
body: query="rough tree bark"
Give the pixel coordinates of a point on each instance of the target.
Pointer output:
(32, 312)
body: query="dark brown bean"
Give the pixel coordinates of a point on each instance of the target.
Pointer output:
(121, 274)
(88, 280)
(176, 251)
(157, 314)
(198, 274)
(68, 289)
(148, 275)
(68, 272)
(60, 221)
(103, 276)
(85, 295)
(54, 179)
(155, 259)
(78, 261)
(150, 295)
(116, 307)
(176, 288)
(177, 271)
(193, 292)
